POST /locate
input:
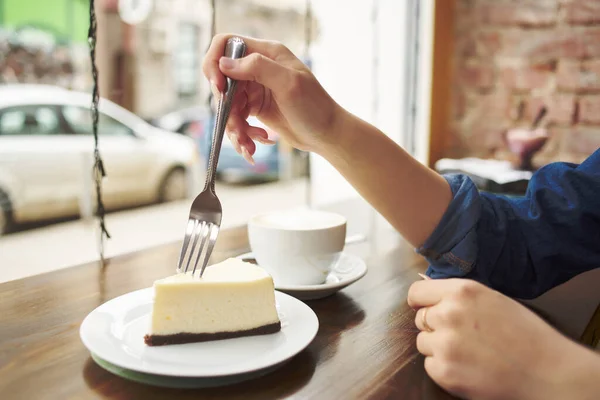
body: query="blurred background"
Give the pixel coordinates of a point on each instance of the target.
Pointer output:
(155, 124)
(447, 79)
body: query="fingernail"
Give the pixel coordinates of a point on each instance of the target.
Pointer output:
(227, 62)
(424, 277)
(264, 141)
(247, 155)
(235, 141)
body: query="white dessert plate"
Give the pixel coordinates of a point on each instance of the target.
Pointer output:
(349, 269)
(177, 382)
(114, 332)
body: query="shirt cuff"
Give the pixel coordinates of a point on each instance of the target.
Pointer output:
(451, 250)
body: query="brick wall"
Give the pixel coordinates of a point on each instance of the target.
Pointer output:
(512, 57)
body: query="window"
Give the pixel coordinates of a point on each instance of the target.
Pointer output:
(186, 60)
(165, 79)
(29, 120)
(80, 121)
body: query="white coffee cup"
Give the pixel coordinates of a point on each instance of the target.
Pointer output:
(297, 247)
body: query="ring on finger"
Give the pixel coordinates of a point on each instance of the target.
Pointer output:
(424, 320)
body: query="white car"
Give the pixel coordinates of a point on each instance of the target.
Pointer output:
(46, 156)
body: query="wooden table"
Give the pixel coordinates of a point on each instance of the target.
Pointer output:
(365, 347)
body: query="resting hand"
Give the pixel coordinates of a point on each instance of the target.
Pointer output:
(481, 344)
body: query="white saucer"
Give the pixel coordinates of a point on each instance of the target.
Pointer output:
(114, 332)
(349, 269)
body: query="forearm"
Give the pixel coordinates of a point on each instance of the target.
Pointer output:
(412, 197)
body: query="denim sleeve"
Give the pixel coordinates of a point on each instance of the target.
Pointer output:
(452, 247)
(521, 246)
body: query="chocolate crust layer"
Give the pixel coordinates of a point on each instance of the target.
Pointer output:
(181, 338)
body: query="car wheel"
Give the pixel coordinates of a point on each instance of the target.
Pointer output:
(6, 221)
(174, 186)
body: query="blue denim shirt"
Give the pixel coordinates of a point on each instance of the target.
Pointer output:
(521, 246)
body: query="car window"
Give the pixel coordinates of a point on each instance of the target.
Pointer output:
(29, 120)
(80, 119)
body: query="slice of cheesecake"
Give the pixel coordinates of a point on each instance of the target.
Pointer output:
(232, 299)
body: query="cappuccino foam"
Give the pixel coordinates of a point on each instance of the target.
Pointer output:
(299, 220)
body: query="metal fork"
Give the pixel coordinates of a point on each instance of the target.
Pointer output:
(206, 211)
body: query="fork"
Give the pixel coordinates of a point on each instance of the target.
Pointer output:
(206, 212)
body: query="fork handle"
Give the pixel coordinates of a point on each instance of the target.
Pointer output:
(235, 48)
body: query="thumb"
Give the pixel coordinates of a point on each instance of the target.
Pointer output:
(257, 68)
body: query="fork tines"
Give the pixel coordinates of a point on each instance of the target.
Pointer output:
(196, 229)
